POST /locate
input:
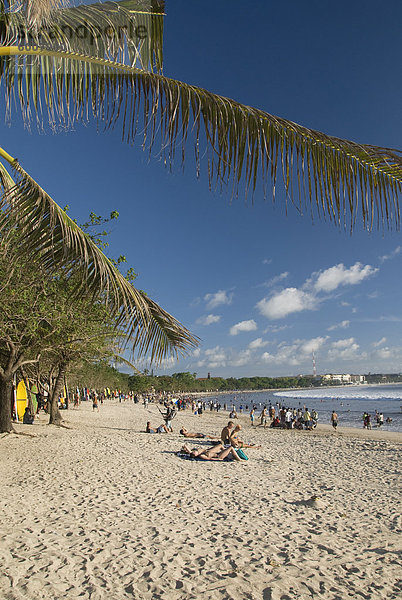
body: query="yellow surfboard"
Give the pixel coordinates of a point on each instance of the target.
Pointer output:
(22, 400)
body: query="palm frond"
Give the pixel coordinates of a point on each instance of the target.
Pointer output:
(7, 183)
(131, 29)
(47, 230)
(341, 178)
(123, 361)
(36, 12)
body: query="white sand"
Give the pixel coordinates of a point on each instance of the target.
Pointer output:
(103, 511)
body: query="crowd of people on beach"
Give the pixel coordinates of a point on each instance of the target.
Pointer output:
(378, 417)
(275, 417)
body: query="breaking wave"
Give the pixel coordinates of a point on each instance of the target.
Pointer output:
(355, 393)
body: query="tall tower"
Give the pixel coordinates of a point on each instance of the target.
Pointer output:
(314, 366)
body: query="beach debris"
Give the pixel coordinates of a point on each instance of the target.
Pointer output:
(273, 563)
(314, 501)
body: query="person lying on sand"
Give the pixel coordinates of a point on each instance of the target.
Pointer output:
(218, 452)
(160, 429)
(189, 434)
(237, 442)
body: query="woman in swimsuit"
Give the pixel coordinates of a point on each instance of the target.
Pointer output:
(215, 453)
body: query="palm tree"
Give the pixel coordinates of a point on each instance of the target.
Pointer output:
(113, 72)
(138, 321)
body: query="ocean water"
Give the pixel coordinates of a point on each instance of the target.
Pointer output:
(349, 402)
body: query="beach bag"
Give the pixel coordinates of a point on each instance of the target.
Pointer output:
(241, 454)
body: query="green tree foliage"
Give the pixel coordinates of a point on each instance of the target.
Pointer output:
(186, 382)
(97, 375)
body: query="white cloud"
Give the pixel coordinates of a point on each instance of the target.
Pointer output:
(343, 343)
(267, 261)
(267, 357)
(277, 279)
(286, 355)
(312, 345)
(289, 300)
(346, 349)
(241, 359)
(276, 328)
(380, 342)
(332, 278)
(220, 297)
(250, 325)
(391, 255)
(214, 358)
(208, 320)
(384, 353)
(341, 325)
(257, 343)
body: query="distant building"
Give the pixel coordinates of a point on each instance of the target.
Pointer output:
(346, 378)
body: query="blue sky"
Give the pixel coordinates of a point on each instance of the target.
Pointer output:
(261, 286)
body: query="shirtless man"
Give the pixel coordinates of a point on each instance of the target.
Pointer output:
(160, 429)
(227, 432)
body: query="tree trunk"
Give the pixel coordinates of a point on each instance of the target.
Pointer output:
(55, 417)
(6, 404)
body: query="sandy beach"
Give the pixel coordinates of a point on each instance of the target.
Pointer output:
(105, 511)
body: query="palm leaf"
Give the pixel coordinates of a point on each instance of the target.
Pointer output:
(121, 360)
(47, 230)
(244, 146)
(131, 29)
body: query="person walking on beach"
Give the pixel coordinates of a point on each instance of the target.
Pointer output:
(263, 417)
(95, 405)
(252, 412)
(334, 420)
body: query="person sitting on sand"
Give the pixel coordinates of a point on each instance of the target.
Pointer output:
(28, 418)
(189, 434)
(237, 442)
(226, 433)
(218, 452)
(160, 429)
(276, 423)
